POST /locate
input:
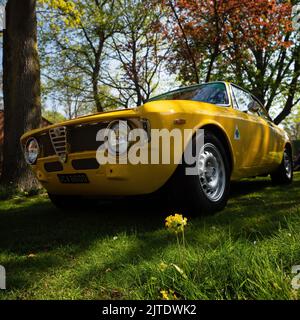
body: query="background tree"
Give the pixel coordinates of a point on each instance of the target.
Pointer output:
(71, 99)
(113, 47)
(292, 124)
(139, 51)
(197, 31)
(73, 36)
(266, 52)
(249, 42)
(112, 53)
(21, 87)
(53, 116)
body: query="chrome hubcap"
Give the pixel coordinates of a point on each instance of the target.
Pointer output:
(212, 173)
(287, 164)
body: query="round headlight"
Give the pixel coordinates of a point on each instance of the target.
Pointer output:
(118, 137)
(31, 151)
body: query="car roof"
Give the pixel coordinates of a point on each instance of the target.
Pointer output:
(200, 84)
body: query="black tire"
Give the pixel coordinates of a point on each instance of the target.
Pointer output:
(196, 199)
(284, 173)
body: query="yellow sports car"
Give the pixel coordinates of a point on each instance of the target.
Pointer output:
(192, 141)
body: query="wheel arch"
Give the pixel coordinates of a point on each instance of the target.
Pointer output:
(220, 133)
(288, 145)
(222, 136)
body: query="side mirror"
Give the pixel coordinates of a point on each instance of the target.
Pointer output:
(253, 106)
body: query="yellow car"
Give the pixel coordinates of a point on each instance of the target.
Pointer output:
(225, 130)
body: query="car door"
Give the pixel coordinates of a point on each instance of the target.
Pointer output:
(252, 131)
(276, 141)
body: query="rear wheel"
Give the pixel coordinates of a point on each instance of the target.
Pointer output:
(207, 190)
(284, 173)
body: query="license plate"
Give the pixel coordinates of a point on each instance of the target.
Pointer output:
(73, 178)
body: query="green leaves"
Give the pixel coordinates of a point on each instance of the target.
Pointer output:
(69, 10)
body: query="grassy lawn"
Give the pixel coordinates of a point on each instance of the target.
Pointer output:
(123, 251)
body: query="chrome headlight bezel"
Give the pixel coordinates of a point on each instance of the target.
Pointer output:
(31, 151)
(121, 130)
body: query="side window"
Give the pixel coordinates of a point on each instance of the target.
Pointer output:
(241, 99)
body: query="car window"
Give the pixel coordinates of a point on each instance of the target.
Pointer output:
(241, 99)
(214, 93)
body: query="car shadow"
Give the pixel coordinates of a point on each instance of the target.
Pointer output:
(41, 225)
(255, 208)
(243, 187)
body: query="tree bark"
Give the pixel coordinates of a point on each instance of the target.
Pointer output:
(96, 72)
(21, 89)
(211, 64)
(96, 90)
(134, 71)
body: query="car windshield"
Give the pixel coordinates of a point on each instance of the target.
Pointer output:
(214, 93)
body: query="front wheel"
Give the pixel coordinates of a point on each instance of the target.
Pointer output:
(284, 173)
(207, 190)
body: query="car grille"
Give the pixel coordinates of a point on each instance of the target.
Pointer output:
(58, 138)
(70, 139)
(83, 138)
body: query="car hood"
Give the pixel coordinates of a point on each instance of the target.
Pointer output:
(96, 117)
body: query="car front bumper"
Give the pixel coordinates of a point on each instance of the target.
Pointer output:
(106, 180)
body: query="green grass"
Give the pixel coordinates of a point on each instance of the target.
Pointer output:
(114, 252)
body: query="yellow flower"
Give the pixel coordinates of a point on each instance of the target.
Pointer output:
(165, 295)
(163, 266)
(168, 295)
(172, 293)
(176, 223)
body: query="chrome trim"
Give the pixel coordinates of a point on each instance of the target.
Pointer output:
(25, 150)
(58, 137)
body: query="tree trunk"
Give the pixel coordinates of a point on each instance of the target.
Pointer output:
(96, 90)
(96, 72)
(134, 71)
(292, 89)
(21, 89)
(95, 83)
(191, 56)
(211, 64)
